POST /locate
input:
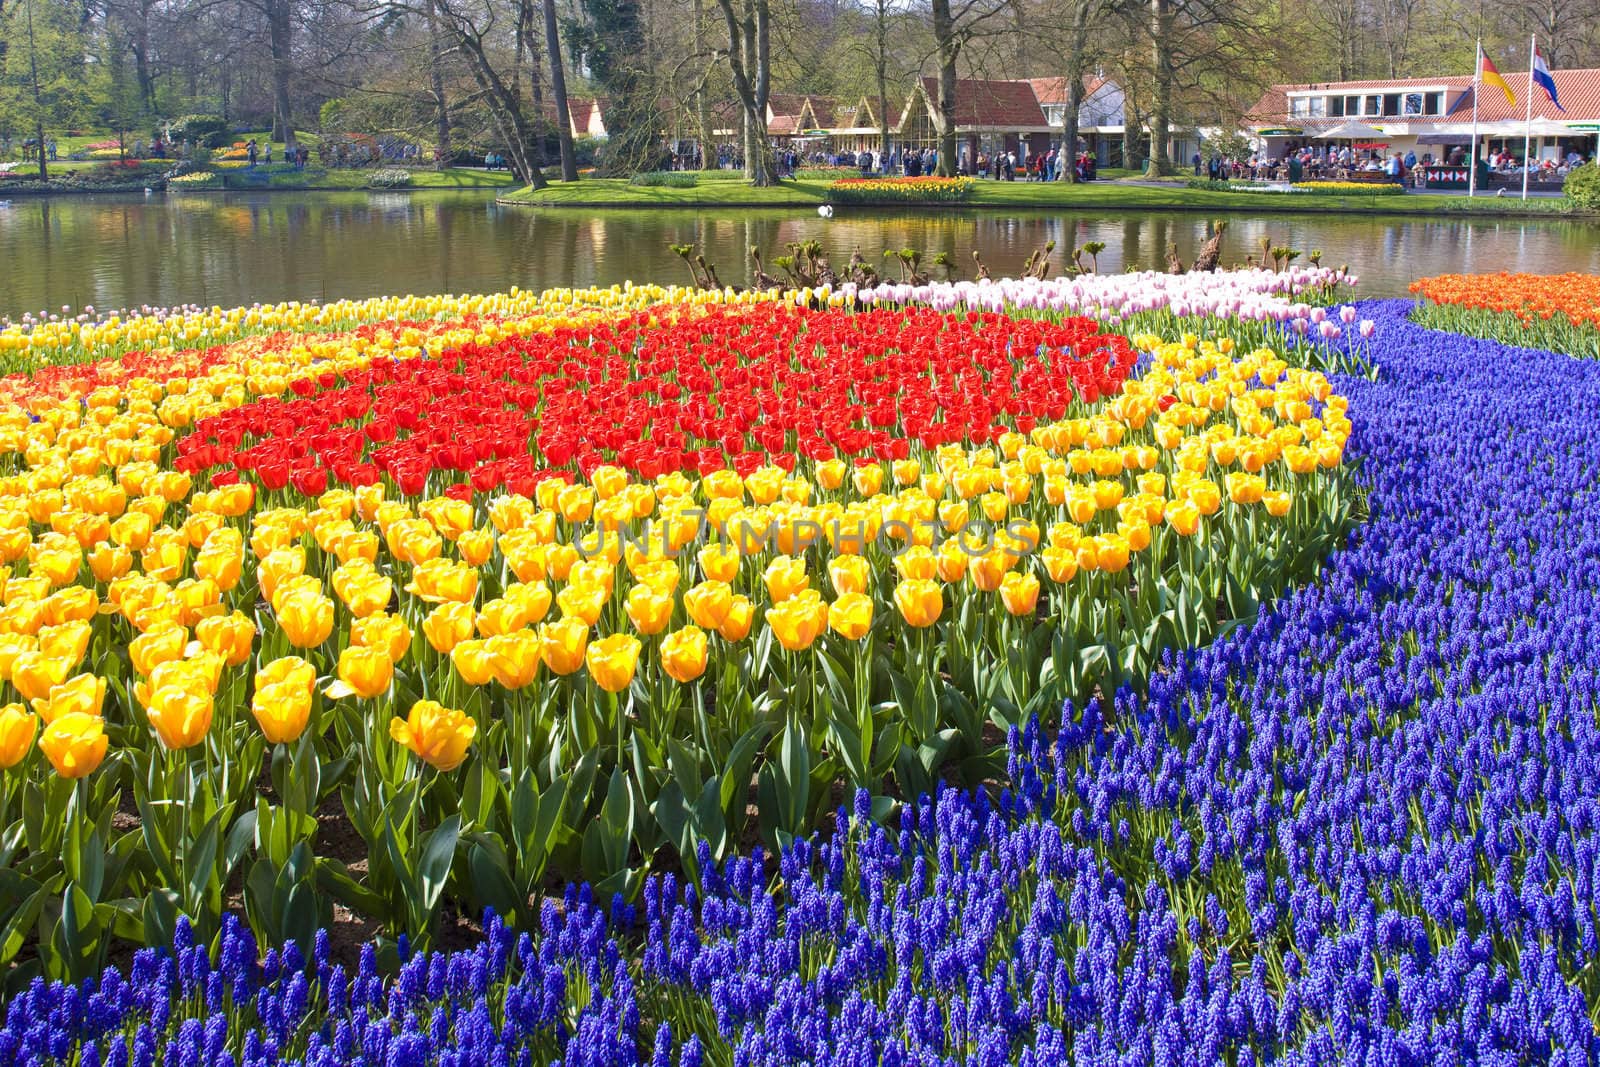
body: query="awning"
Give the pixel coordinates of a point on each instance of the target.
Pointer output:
(1351, 131)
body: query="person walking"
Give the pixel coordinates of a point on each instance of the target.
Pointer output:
(1196, 162)
(250, 151)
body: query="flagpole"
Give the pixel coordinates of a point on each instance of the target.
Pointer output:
(1527, 129)
(1477, 85)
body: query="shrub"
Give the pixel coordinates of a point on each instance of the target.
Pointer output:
(666, 179)
(389, 178)
(1583, 185)
(209, 131)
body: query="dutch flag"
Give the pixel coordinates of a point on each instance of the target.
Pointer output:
(1542, 78)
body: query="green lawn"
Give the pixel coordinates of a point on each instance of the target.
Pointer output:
(720, 191)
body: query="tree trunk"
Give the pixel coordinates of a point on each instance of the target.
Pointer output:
(140, 45)
(1077, 47)
(441, 106)
(702, 105)
(748, 57)
(881, 65)
(280, 31)
(38, 97)
(558, 89)
(944, 112)
(1160, 163)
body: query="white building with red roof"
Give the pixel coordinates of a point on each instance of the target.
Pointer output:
(1433, 116)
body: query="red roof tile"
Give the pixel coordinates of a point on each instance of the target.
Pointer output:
(1054, 90)
(979, 103)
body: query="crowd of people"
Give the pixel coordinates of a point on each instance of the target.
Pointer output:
(1336, 162)
(1000, 165)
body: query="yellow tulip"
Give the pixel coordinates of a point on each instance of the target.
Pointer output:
(475, 547)
(612, 661)
(1277, 502)
(1019, 593)
(181, 717)
(108, 562)
(1184, 517)
(920, 601)
(737, 622)
(280, 563)
(472, 661)
(850, 616)
(282, 710)
(288, 670)
(448, 625)
(987, 570)
(440, 580)
(850, 574)
(17, 729)
(68, 641)
(719, 561)
(306, 618)
(649, 610)
(501, 616)
(364, 671)
(35, 674)
(952, 562)
(562, 644)
(785, 577)
(576, 503)
(388, 632)
(1112, 554)
(868, 480)
(84, 694)
(532, 598)
(75, 744)
(229, 636)
(582, 602)
(437, 735)
(683, 654)
(514, 658)
(916, 562)
(708, 603)
(797, 622)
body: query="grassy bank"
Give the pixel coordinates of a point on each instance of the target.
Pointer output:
(74, 178)
(726, 190)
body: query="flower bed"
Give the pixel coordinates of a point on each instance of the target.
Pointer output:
(925, 190)
(1351, 188)
(1360, 828)
(1559, 312)
(539, 597)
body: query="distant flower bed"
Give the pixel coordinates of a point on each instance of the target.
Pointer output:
(200, 179)
(908, 190)
(1352, 188)
(665, 179)
(389, 178)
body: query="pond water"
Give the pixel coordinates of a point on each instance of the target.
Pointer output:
(230, 249)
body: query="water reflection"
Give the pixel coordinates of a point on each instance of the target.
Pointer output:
(240, 248)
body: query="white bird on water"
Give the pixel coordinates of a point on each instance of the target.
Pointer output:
(826, 211)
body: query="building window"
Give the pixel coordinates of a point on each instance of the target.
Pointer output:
(1433, 104)
(1374, 105)
(1413, 104)
(1391, 104)
(1338, 107)
(1352, 106)
(1299, 107)
(1319, 106)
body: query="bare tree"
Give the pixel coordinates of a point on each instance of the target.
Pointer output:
(750, 59)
